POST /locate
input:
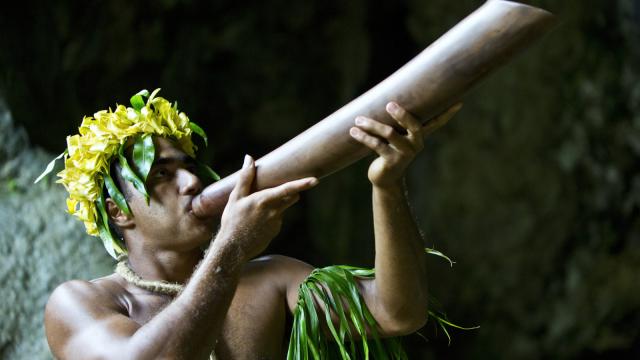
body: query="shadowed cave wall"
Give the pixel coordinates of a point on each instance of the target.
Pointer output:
(533, 189)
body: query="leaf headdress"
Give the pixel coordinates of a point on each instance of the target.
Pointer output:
(103, 138)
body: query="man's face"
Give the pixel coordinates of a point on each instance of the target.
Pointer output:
(167, 221)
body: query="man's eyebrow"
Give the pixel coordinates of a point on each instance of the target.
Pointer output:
(164, 160)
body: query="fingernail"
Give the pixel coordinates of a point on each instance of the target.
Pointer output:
(392, 106)
(247, 161)
(313, 181)
(359, 120)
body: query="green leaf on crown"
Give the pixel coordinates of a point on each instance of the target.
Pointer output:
(137, 100)
(143, 154)
(102, 221)
(198, 130)
(115, 194)
(206, 173)
(129, 175)
(50, 167)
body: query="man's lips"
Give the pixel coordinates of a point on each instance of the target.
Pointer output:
(187, 207)
(188, 210)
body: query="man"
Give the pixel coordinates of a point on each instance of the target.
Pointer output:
(231, 304)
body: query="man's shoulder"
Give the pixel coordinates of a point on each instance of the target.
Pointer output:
(79, 311)
(73, 290)
(278, 265)
(283, 272)
(102, 292)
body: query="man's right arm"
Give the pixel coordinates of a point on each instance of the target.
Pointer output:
(83, 321)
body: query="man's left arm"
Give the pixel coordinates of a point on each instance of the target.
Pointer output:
(397, 297)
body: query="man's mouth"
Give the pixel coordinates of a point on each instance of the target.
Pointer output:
(187, 207)
(189, 211)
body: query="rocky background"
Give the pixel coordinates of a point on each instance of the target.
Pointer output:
(533, 189)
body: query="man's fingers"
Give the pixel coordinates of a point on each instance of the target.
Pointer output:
(288, 201)
(372, 142)
(403, 117)
(281, 194)
(384, 131)
(295, 186)
(245, 179)
(440, 120)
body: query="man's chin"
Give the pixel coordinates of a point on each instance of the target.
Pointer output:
(196, 231)
(192, 241)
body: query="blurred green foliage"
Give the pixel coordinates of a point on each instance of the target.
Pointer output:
(534, 189)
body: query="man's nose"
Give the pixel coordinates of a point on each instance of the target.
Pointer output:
(188, 182)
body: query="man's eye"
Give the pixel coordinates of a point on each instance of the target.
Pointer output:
(161, 173)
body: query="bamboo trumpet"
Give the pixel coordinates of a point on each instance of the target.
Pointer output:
(427, 85)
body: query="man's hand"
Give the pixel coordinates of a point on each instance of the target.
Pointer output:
(252, 220)
(395, 150)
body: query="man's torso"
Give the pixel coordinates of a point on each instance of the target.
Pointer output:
(254, 327)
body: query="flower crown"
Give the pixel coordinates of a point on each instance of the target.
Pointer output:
(103, 138)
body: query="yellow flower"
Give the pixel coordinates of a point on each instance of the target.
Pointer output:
(90, 152)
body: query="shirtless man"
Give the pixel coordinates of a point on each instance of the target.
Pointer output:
(230, 303)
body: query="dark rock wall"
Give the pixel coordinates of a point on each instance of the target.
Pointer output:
(40, 245)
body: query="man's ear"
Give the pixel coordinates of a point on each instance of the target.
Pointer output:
(119, 218)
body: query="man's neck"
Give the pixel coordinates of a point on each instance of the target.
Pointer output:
(167, 265)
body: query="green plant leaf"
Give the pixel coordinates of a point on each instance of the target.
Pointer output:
(143, 154)
(446, 332)
(339, 338)
(107, 239)
(361, 272)
(206, 173)
(130, 175)
(115, 194)
(198, 130)
(339, 291)
(49, 167)
(109, 242)
(344, 329)
(444, 320)
(438, 253)
(334, 290)
(315, 341)
(137, 100)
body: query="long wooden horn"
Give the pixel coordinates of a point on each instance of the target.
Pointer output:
(426, 85)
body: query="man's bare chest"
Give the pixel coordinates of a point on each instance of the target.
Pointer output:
(254, 327)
